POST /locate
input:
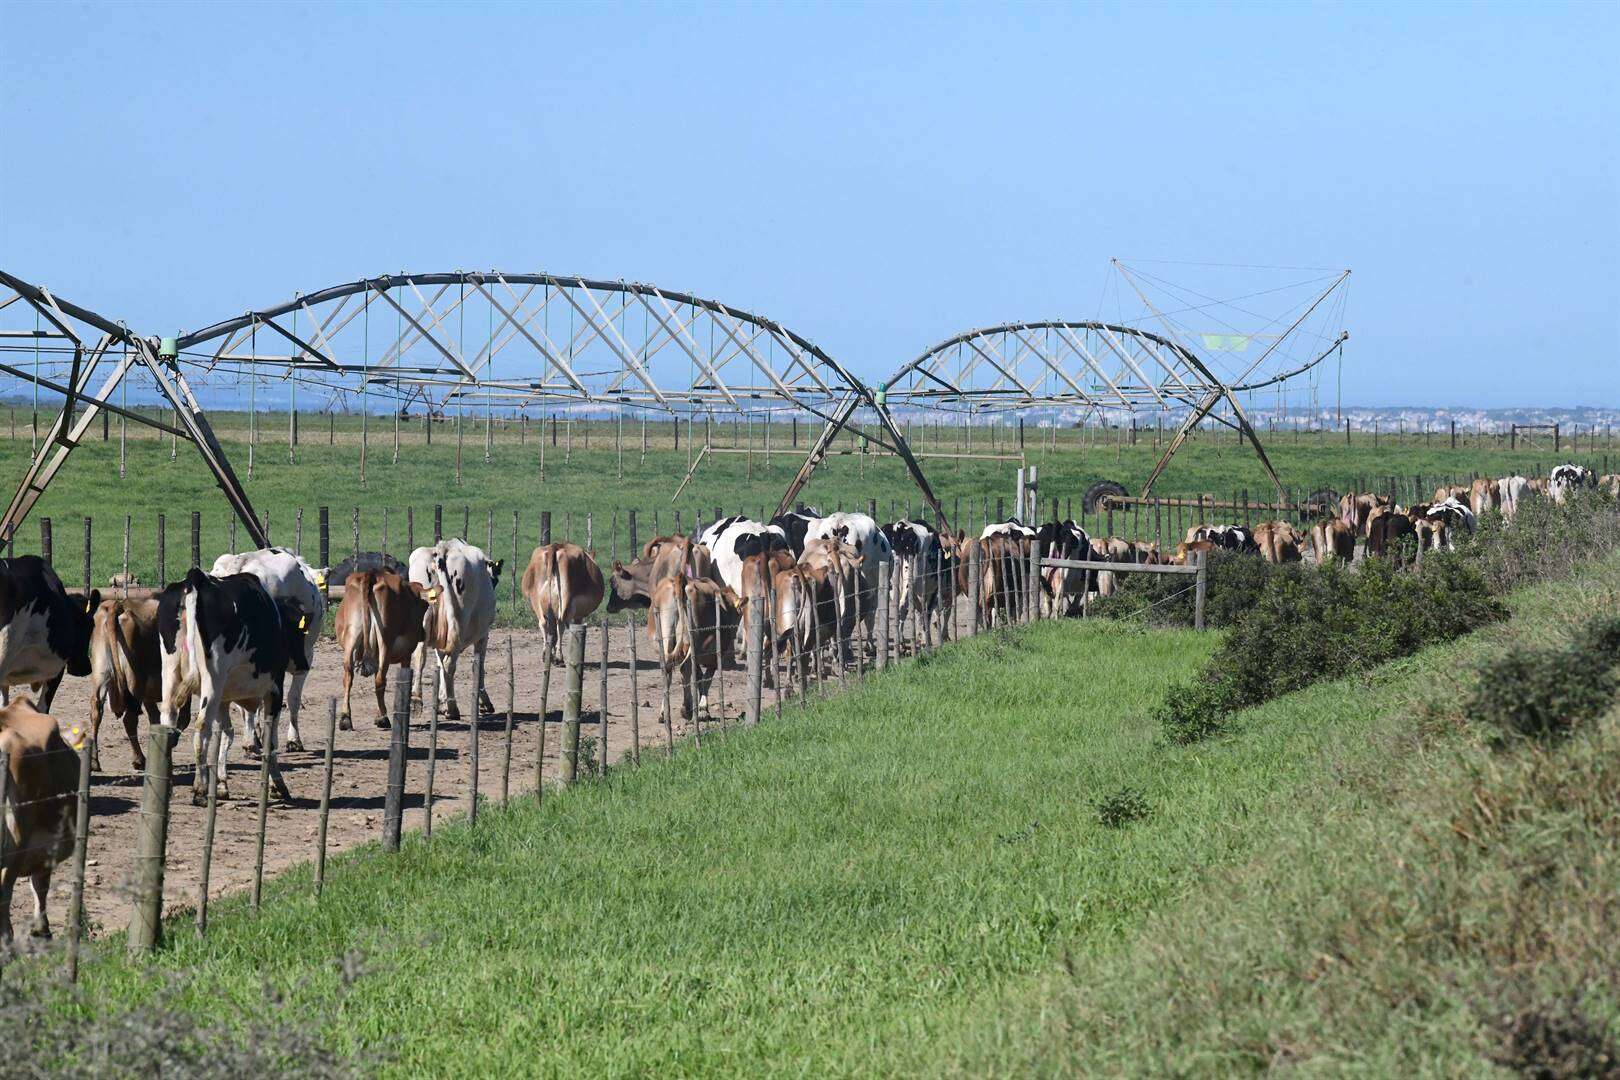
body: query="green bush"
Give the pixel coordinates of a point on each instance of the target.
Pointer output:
(1166, 600)
(1543, 540)
(1121, 808)
(1546, 693)
(1311, 623)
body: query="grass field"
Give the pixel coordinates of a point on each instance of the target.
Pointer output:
(915, 877)
(587, 482)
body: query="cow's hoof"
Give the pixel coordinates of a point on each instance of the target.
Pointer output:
(199, 798)
(296, 746)
(40, 934)
(345, 723)
(383, 722)
(140, 767)
(252, 751)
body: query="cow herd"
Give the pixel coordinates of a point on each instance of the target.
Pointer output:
(244, 633)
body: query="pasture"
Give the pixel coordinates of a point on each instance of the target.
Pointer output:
(589, 488)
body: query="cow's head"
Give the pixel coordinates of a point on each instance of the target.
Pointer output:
(495, 569)
(83, 623)
(625, 590)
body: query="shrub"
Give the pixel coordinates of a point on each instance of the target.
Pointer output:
(1232, 583)
(1311, 623)
(1121, 808)
(1546, 693)
(1544, 540)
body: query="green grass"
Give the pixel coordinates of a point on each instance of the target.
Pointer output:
(915, 877)
(588, 482)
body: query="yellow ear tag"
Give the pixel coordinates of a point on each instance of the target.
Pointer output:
(433, 594)
(303, 621)
(87, 604)
(76, 737)
(320, 581)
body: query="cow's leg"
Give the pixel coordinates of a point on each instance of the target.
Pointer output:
(48, 695)
(419, 666)
(250, 721)
(98, 701)
(41, 881)
(270, 708)
(132, 729)
(295, 697)
(199, 750)
(345, 723)
(447, 686)
(381, 682)
(222, 718)
(484, 703)
(7, 880)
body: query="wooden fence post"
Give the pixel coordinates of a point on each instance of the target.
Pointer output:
(210, 818)
(756, 657)
(326, 798)
(635, 690)
(45, 542)
(264, 809)
(602, 699)
(883, 616)
(472, 740)
(146, 918)
(81, 851)
(511, 717)
(325, 548)
(398, 750)
(1200, 587)
(573, 692)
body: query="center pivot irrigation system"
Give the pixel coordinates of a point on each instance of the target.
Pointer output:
(446, 343)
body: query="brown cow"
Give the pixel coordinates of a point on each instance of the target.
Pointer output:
(126, 672)
(1610, 482)
(563, 585)
(995, 558)
(1460, 492)
(1355, 510)
(1483, 495)
(1185, 550)
(44, 775)
(1333, 539)
(683, 611)
(663, 556)
(381, 622)
(835, 564)
(1431, 533)
(760, 572)
(1385, 527)
(1279, 541)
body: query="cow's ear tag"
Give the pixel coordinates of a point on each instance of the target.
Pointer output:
(320, 581)
(87, 604)
(76, 737)
(433, 594)
(303, 621)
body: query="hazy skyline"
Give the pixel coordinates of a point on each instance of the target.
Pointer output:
(876, 177)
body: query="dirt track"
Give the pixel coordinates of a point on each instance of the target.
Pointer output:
(360, 770)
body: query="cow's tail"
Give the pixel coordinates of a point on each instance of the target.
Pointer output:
(119, 657)
(372, 646)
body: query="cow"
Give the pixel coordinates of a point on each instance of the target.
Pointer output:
(731, 540)
(795, 526)
(226, 642)
(1237, 538)
(44, 631)
(1460, 492)
(36, 813)
(126, 672)
(1010, 527)
(287, 577)
(921, 572)
(563, 586)
(1456, 516)
(1279, 542)
(1512, 492)
(1483, 495)
(1385, 528)
(760, 574)
(681, 623)
(1354, 509)
(337, 577)
(1333, 539)
(835, 563)
(663, 556)
(1610, 482)
(1567, 478)
(1187, 549)
(465, 611)
(997, 559)
(1431, 533)
(381, 622)
(861, 533)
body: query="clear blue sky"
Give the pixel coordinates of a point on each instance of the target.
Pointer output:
(877, 177)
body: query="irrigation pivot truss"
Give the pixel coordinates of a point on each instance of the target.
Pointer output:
(435, 342)
(1158, 361)
(444, 343)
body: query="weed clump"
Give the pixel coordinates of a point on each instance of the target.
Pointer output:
(1546, 693)
(1121, 808)
(1557, 1042)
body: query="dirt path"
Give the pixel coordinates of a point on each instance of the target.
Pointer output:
(360, 770)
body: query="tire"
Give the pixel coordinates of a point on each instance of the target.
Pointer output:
(1092, 499)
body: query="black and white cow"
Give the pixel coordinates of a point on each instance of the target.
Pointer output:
(1567, 478)
(860, 532)
(1010, 527)
(1237, 538)
(923, 577)
(794, 525)
(1456, 515)
(287, 578)
(733, 539)
(226, 642)
(44, 631)
(1063, 589)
